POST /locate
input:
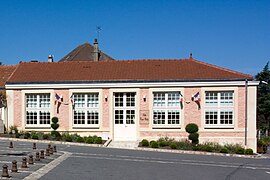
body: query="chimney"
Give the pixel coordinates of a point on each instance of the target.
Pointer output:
(96, 50)
(50, 58)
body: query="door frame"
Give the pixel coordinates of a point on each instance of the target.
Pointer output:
(137, 107)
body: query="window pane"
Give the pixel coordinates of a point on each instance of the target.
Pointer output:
(174, 99)
(31, 101)
(79, 117)
(226, 117)
(44, 117)
(226, 98)
(130, 99)
(31, 117)
(159, 99)
(211, 117)
(211, 98)
(92, 117)
(119, 99)
(79, 100)
(159, 117)
(119, 116)
(130, 117)
(174, 117)
(92, 100)
(44, 100)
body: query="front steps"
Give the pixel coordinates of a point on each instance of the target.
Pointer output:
(123, 144)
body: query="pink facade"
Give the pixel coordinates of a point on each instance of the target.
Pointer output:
(190, 114)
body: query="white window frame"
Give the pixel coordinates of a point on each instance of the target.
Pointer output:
(219, 108)
(85, 109)
(38, 109)
(166, 108)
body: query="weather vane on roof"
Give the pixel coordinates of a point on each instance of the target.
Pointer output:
(98, 29)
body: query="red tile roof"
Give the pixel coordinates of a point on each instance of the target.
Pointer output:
(122, 70)
(5, 73)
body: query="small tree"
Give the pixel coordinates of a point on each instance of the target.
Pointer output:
(55, 135)
(193, 129)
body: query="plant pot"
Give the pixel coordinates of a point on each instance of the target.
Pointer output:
(260, 149)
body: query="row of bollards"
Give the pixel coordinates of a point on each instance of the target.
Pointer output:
(49, 151)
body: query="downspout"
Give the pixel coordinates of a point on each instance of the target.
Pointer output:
(246, 109)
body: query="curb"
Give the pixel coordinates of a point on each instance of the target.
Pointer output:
(255, 156)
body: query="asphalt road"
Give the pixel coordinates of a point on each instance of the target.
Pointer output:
(105, 163)
(94, 163)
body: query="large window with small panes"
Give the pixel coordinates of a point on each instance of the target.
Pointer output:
(38, 110)
(219, 109)
(166, 109)
(86, 110)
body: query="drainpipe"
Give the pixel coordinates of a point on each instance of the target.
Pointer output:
(246, 109)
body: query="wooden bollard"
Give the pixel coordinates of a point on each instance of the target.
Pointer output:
(30, 160)
(47, 152)
(54, 148)
(24, 162)
(49, 146)
(5, 171)
(41, 154)
(11, 144)
(34, 146)
(37, 157)
(51, 150)
(14, 166)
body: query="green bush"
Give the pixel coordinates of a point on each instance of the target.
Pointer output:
(98, 140)
(80, 139)
(173, 145)
(67, 137)
(232, 147)
(240, 150)
(162, 143)
(153, 144)
(184, 145)
(45, 136)
(55, 120)
(209, 148)
(55, 135)
(194, 137)
(55, 126)
(34, 135)
(192, 128)
(224, 150)
(89, 140)
(145, 143)
(249, 151)
(27, 135)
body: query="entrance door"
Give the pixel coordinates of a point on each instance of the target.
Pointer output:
(124, 117)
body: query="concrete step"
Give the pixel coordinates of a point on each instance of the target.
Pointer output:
(124, 144)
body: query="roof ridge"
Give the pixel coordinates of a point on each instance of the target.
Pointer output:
(219, 67)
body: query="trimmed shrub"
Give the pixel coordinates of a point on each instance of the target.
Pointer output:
(145, 143)
(249, 151)
(192, 128)
(194, 137)
(184, 145)
(154, 144)
(98, 140)
(34, 135)
(55, 135)
(224, 150)
(162, 143)
(55, 126)
(240, 150)
(173, 145)
(89, 140)
(55, 120)
(232, 147)
(209, 148)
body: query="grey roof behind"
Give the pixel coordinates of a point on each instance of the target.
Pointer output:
(84, 52)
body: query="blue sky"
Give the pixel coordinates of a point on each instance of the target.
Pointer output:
(234, 34)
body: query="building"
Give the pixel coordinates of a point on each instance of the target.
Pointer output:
(5, 72)
(130, 100)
